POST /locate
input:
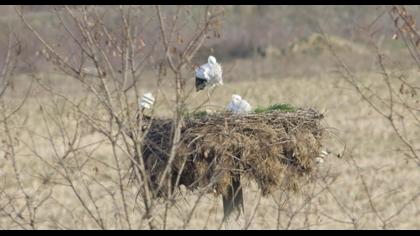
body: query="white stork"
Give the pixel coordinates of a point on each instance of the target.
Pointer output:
(208, 75)
(146, 101)
(238, 105)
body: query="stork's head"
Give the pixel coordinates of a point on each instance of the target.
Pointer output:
(236, 98)
(212, 60)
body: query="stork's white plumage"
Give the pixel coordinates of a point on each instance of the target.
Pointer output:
(208, 75)
(147, 101)
(239, 105)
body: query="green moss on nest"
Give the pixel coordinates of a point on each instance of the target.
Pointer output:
(197, 114)
(276, 107)
(200, 114)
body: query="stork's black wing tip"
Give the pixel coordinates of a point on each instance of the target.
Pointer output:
(200, 84)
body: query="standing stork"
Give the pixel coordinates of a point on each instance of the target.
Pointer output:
(208, 75)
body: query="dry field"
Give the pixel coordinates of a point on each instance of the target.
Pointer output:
(381, 189)
(65, 157)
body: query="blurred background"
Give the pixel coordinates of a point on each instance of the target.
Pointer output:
(279, 34)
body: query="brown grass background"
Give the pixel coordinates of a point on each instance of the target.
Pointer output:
(298, 78)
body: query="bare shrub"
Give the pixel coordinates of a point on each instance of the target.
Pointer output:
(105, 55)
(393, 97)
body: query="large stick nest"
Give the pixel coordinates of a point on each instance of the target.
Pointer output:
(271, 149)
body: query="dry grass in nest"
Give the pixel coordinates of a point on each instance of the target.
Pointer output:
(271, 148)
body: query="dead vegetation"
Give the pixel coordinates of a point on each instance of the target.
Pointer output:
(273, 149)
